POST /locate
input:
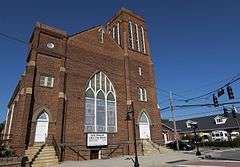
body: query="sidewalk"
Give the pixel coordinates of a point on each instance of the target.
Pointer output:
(155, 160)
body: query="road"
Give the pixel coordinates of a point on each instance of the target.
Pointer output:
(210, 163)
(219, 158)
(233, 154)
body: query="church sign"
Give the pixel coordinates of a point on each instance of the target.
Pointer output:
(96, 139)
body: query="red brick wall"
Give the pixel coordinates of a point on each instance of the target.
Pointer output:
(72, 62)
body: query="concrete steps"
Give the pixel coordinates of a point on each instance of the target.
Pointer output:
(42, 156)
(150, 148)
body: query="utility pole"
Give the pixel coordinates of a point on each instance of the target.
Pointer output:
(174, 118)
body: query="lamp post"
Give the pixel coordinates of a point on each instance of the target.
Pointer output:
(195, 126)
(131, 108)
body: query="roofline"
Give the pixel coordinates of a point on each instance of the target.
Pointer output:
(130, 12)
(200, 130)
(88, 29)
(166, 126)
(14, 94)
(193, 119)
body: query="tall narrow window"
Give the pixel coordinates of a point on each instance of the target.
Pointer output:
(101, 35)
(46, 81)
(140, 71)
(100, 105)
(89, 111)
(143, 40)
(100, 112)
(137, 38)
(142, 94)
(130, 35)
(118, 34)
(113, 32)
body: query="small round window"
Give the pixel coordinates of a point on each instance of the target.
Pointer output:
(50, 45)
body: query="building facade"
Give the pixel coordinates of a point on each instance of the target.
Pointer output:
(78, 90)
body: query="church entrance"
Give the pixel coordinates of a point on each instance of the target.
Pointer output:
(144, 127)
(41, 132)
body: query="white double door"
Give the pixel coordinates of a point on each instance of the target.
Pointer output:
(144, 130)
(41, 131)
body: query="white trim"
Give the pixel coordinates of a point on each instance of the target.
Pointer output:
(148, 124)
(143, 39)
(10, 123)
(137, 37)
(118, 34)
(131, 33)
(140, 71)
(106, 92)
(5, 127)
(113, 32)
(45, 80)
(95, 104)
(145, 94)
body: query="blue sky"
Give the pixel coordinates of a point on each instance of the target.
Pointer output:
(194, 44)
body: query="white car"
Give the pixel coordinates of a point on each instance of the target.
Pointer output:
(219, 135)
(234, 135)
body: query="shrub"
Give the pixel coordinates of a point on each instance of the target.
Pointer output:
(5, 151)
(233, 143)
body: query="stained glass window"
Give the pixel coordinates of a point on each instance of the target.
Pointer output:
(100, 105)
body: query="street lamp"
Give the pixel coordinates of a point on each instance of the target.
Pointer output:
(130, 116)
(194, 125)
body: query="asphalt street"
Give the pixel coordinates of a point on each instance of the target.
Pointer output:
(233, 154)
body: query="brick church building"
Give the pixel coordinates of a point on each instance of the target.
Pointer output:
(79, 91)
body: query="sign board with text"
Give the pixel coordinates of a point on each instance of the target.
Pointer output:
(96, 139)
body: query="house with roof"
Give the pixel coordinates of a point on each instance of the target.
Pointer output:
(206, 124)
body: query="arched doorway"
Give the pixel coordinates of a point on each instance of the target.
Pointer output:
(144, 127)
(41, 132)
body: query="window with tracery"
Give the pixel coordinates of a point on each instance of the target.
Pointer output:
(100, 105)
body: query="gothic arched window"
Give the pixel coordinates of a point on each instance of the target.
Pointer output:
(100, 105)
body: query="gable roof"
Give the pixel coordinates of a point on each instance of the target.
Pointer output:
(206, 123)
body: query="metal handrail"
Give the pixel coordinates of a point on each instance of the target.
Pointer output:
(56, 147)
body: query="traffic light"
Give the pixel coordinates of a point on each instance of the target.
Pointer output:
(225, 112)
(220, 92)
(215, 100)
(230, 92)
(234, 112)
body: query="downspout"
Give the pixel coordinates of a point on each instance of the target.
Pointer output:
(64, 108)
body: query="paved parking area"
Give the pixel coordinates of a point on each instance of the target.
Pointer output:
(155, 160)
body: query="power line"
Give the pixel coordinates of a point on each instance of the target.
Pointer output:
(208, 84)
(13, 38)
(200, 105)
(211, 92)
(193, 114)
(167, 93)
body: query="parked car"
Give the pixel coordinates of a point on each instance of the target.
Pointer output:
(219, 135)
(234, 135)
(183, 145)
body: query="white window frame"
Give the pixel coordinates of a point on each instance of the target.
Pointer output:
(45, 84)
(106, 93)
(140, 71)
(101, 31)
(138, 47)
(145, 94)
(142, 94)
(113, 32)
(220, 120)
(131, 33)
(143, 40)
(118, 33)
